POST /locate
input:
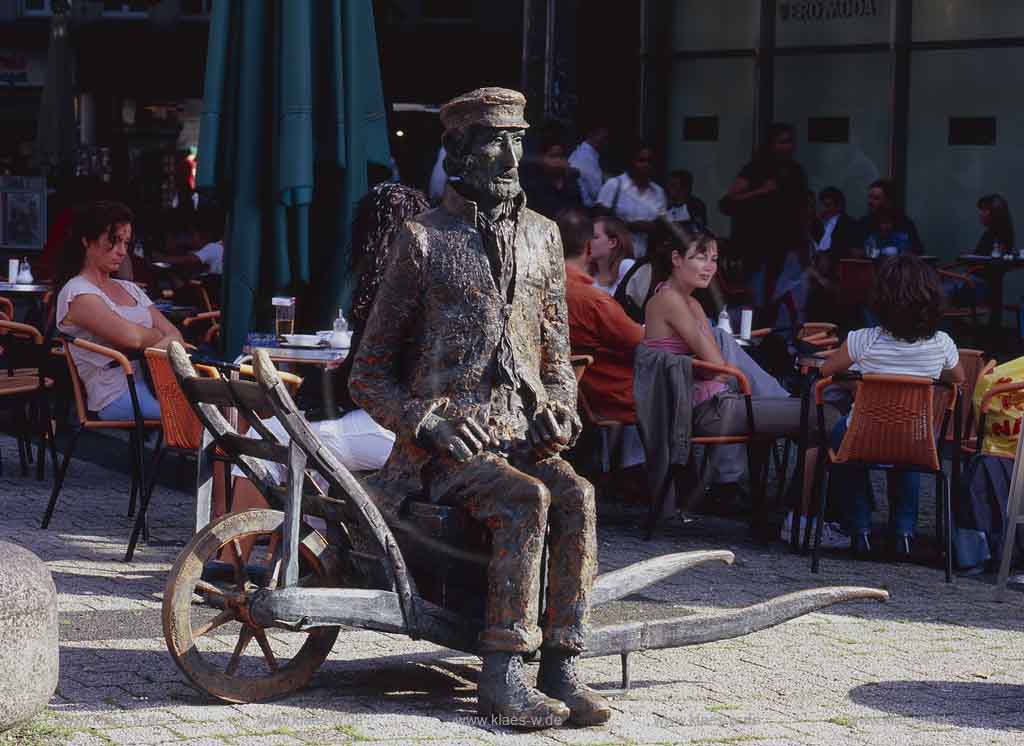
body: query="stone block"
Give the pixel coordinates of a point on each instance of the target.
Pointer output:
(29, 650)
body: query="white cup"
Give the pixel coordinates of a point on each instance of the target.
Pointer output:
(746, 322)
(12, 271)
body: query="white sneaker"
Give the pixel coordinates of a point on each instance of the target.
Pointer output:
(786, 530)
(832, 537)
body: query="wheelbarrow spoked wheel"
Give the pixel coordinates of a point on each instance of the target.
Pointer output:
(208, 629)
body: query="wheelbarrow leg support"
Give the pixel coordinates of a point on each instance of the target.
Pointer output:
(712, 626)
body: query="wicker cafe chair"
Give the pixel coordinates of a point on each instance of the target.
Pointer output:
(180, 430)
(1013, 517)
(974, 365)
(203, 328)
(856, 279)
(25, 386)
(892, 427)
(202, 294)
(658, 503)
(137, 426)
(974, 313)
(822, 335)
(610, 431)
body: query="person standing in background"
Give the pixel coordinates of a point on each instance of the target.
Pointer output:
(586, 159)
(767, 203)
(550, 183)
(635, 199)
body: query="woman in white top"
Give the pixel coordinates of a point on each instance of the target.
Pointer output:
(636, 199)
(94, 306)
(610, 253)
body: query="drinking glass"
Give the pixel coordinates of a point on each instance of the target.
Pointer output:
(284, 315)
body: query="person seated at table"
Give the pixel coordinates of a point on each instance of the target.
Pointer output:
(907, 301)
(208, 241)
(683, 205)
(598, 326)
(882, 194)
(610, 253)
(94, 306)
(675, 321)
(887, 239)
(994, 215)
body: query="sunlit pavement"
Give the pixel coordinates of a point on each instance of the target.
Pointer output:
(938, 664)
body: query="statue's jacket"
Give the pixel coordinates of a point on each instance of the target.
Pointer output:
(431, 344)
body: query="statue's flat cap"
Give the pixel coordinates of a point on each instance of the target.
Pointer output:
(488, 107)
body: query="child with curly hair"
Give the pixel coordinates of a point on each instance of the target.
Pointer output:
(907, 302)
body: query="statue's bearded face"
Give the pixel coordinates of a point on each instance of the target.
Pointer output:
(492, 163)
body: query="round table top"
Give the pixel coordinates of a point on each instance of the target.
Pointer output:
(20, 287)
(811, 361)
(1007, 260)
(322, 356)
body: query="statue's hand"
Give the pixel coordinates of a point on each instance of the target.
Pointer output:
(460, 438)
(552, 429)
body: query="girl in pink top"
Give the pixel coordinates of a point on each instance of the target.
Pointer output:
(677, 322)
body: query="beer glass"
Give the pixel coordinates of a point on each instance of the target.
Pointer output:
(284, 315)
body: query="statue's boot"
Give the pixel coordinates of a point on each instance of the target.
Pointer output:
(558, 679)
(502, 693)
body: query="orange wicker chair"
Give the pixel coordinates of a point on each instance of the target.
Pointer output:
(183, 433)
(856, 279)
(137, 426)
(821, 334)
(893, 428)
(196, 332)
(1013, 516)
(180, 429)
(610, 431)
(974, 313)
(974, 365)
(26, 388)
(202, 295)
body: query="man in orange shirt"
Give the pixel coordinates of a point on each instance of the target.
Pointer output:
(599, 327)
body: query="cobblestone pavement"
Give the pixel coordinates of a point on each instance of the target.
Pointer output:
(938, 664)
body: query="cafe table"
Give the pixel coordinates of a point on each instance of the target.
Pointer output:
(31, 296)
(994, 271)
(21, 288)
(324, 358)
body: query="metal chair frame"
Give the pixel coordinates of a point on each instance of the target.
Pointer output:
(137, 427)
(27, 385)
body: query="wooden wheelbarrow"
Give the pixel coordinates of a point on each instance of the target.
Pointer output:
(268, 575)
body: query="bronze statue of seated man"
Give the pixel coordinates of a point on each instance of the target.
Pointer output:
(465, 356)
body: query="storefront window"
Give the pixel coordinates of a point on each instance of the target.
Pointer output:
(966, 19)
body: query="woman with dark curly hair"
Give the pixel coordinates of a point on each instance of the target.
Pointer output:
(354, 438)
(907, 301)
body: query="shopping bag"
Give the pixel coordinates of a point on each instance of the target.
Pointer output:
(1003, 418)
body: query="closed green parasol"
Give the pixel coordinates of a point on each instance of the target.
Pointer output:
(56, 136)
(293, 113)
